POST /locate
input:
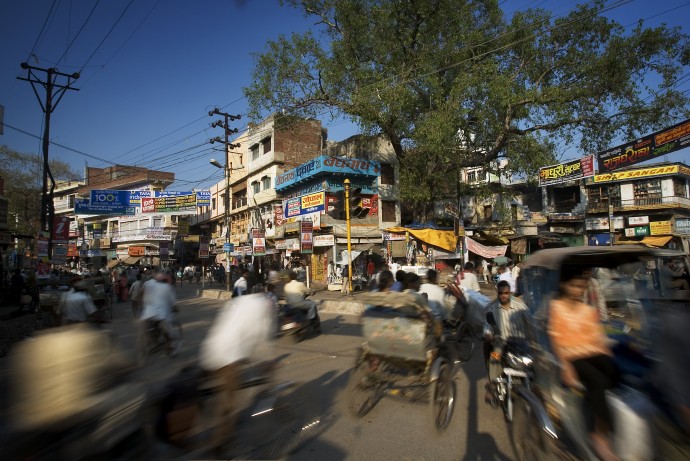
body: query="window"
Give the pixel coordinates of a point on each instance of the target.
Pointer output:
(266, 145)
(213, 203)
(678, 187)
(387, 174)
(488, 212)
(265, 183)
(388, 210)
(648, 188)
(256, 187)
(481, 175)
(472, 177)
(254, 151)
(158, 222)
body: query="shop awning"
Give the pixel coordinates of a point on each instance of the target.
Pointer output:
(131, 260)
(112, 263)
(445, 239)
(656, 241)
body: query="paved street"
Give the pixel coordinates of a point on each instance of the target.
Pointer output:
(394, 430)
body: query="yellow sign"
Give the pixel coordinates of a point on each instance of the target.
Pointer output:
(659, 227)
(311, 200)
(634, 174)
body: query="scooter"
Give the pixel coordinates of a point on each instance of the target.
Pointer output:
(293, 321)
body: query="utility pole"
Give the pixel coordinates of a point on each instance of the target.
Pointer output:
(54, 93)
(349, 239)
(227, 168)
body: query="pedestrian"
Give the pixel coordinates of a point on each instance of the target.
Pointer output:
(504, 274)
(467, 279)
(158, 299)
(76, 306)
(399, 284)
(330, 272)
(435, 294)
(241, 286)
(485, 271)
(135, 296)
(371, 269)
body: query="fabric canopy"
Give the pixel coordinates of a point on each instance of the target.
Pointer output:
(656, 241)
(131, 259)
(445, 239)
(112, 263)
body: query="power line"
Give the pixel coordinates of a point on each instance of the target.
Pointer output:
(79, 31)
(108, 34)
(40, 34)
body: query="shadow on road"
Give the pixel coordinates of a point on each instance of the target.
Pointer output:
(481, 446)
(342, 325)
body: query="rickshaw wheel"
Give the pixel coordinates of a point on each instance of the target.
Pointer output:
(363, 394)
(443, 397)
(465, 342)
(526, 436)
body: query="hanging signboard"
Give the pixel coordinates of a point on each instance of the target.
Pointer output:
(259, 246)
(484, 251)
(306, 237)
(177, 204)
(660, 227)
(61, 229)
(637, 231)
(646, 148)
(327, 240)
(568, 171)
(638, 220)
(683, 226)
(204, 247)
(85, 207)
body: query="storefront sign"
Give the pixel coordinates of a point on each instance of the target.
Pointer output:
(306, 237)
(638, 220)
(324, 240)
(323, 164)
(392, 236)
(647, 148)
(176, 204)
(136, 251)
(637, 231)
(603, 223)
(203, 198)
(683, 226)
(61, 229)
(636, 174)
(489, 252)
(660, 227)
(569, 171)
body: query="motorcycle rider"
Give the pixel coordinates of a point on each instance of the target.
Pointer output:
(508, 317)
(296, 296)
(158, 300)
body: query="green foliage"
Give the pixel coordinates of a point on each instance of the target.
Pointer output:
(458, 84)
(23, 175)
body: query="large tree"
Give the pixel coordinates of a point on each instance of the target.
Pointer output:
(23, 175)
(457, 83)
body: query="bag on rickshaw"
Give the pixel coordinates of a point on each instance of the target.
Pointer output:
(477, 305)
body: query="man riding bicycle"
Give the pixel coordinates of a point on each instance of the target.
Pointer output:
(157, 302)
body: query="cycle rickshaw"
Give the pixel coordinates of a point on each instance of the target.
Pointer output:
(402, 357)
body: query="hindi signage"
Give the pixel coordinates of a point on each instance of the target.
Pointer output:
(646, 148)
(659, 227)
(177, 204)
(636, 174)
(569, 171)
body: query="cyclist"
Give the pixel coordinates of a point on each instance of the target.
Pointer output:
(158, 300)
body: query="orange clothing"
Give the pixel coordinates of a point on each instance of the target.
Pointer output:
(575, 330)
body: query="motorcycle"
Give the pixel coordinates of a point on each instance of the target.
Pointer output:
(293, 321)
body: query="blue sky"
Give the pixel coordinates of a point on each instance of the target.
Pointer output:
(144, 93)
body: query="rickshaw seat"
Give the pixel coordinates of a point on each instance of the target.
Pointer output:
(398, 325)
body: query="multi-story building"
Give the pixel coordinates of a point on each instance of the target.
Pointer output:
(130, 238)
(265, 151)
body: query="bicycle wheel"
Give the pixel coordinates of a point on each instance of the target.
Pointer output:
(363, 392)
(442, 398)
(465, 342)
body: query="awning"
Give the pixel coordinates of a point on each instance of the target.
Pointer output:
(656, 241)
(445, 239)
(131, 260)
(112, 263)
(484, 251)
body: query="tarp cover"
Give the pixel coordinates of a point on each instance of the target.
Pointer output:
(445, 239)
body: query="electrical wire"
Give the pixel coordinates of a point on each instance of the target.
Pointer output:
(108, 34)
(40, 34)
(88, 18)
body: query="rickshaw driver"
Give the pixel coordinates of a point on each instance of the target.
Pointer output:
(675, 276)
(510, 321)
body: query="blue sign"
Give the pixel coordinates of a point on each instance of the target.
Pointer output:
(228, 247)
(353, 168)
(83, 206)
(113, 198)
(172, 193)
(136, 195)
(203, 198)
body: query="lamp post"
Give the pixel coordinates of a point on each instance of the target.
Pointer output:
(226, 169)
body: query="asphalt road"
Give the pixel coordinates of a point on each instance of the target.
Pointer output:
(394, 430)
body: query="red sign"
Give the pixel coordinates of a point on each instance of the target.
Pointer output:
(306, 237)
(279, 215)
(60, 229)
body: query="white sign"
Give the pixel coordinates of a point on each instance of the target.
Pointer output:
(324, 240)
(638, 220)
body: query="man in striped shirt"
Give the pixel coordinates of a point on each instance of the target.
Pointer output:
(508, 316)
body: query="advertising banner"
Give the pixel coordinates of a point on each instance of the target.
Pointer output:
(177, 204)
(85, 207)
(488, 252)
(259, 246)
(646, 148)
(136, 195)
(637, 231)
(683, 226)
(306, 237)
(110, 197)
(203, 198)
(569, 171)
(659, 227)
(338, 165)
(61, 229)
(324, 240)
(278, 215)
(638, 220)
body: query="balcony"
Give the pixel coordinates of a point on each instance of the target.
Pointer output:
(639, 204)
(238, 203)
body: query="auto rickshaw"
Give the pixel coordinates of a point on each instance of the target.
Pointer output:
(548, 421)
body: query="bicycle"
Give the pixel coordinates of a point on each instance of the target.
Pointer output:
(156, 341)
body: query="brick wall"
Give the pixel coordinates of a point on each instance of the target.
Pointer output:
(299, 141)
(123, 177)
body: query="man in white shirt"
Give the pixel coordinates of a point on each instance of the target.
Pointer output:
(158, 300)
(242, 332)
(504, 274)
(485, 271)
(76, 305)
(240, 287)
(435, 294)
(296, 296)
(467, 279)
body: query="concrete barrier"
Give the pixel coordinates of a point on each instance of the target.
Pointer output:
(215, 294)
(341, 307)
